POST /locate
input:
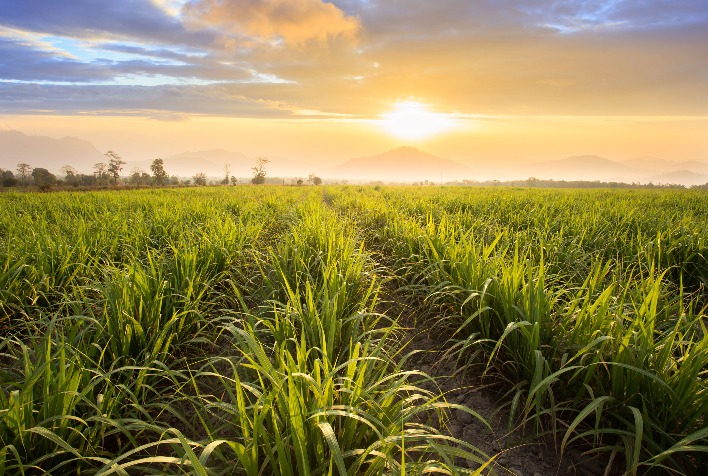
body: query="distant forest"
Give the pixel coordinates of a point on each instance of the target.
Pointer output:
(550, 183)
(108, 176)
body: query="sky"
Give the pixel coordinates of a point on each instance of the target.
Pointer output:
(323, 81)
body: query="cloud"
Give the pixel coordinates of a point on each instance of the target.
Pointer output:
(296, 22)
(141, 20)
(27, 61)
(31, 62)
(169, 117)
(273, 58)
(509, 57)
(165, 103)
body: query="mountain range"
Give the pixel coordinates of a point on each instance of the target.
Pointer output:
(52, 154)
(642, 169)
(404, 164)
(47, 152)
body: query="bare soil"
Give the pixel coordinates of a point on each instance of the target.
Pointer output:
(518, 451)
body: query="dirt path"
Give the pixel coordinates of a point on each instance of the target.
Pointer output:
(518, 454)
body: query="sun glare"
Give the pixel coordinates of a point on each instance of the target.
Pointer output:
(412, 120)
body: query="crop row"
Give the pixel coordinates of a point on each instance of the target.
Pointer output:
(202, 332)
(221, 331)
(592, 304)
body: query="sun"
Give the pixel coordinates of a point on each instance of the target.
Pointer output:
(411, 120)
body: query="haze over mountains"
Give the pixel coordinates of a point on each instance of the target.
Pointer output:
(642, 169)
(47, 152)
(209, 162)
(52, 154)
(404, 164)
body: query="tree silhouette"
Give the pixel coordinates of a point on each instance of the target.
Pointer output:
(158, 171)
(259, 172)
(100, 171)
(24, 170)
(68, 170)
(115, 165)
(139, 177)
(70, 175)
(314, 179)
(43, 178)
(7, 178)
(227, 168)
(200, 179)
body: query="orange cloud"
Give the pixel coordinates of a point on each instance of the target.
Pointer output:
(296, 22)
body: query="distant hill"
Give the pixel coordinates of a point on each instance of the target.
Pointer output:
(50, 153)
(641, 169)
(583, 167)
(47, 152)
(683, 177)
(652, 164)
(405, 164)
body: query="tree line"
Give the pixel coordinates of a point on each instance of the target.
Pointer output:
(550, 183)
(104, 174)
(108, 173)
